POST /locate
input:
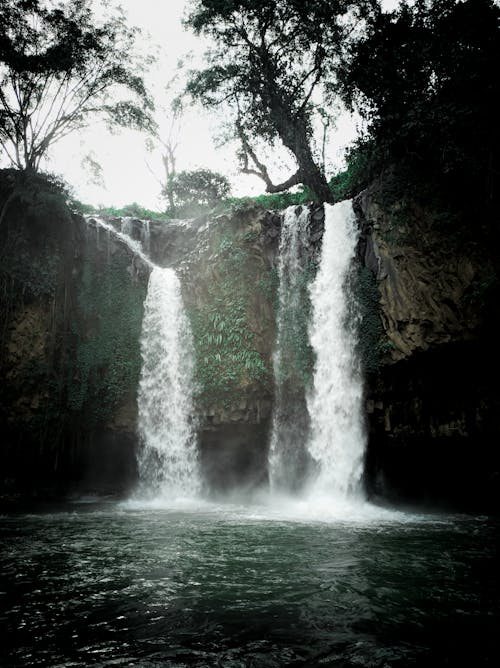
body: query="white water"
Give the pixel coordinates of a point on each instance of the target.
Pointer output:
(168, 466)
(337, 439)
(135, 246)
(168, 463)
(286, 458)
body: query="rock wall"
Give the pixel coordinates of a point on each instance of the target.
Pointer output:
(433, 399)
(71, 303)
(226, 267)
(72, 295)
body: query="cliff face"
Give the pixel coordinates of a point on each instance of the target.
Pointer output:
(71, 301)
(433, 401)
(226, 267)
(72, 304)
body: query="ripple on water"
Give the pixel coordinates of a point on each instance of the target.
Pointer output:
(272, 583)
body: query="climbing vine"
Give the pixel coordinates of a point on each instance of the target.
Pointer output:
(296, 352)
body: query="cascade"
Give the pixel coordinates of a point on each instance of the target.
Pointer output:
(288, 461)
(334, 402)
(135, 246)
(168, 464)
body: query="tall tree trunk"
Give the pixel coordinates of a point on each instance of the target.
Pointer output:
(292, 130)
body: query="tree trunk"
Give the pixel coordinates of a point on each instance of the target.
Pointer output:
(293, 133)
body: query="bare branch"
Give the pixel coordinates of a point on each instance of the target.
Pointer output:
(261, 170)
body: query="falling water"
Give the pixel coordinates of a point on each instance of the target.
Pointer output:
(337, 439)
(124, 235)
(288, 458)
(168, 463)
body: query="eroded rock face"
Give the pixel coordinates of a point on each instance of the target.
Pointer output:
(72, 300)
(431, 405)
(425, 280)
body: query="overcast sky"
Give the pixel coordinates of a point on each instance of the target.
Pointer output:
(127, 168)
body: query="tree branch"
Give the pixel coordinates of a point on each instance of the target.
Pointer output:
(261, 170)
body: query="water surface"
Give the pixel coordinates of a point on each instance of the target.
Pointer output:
(228, 585)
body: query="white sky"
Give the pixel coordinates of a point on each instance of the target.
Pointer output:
(123, 156)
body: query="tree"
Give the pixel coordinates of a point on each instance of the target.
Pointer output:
(60, 68)
(422, 77)
(166, 138)
(197, 189)
(268, 65)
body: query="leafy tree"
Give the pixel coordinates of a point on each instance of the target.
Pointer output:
(268, 65)
(197, 189)
(60, 69)
(423, 77)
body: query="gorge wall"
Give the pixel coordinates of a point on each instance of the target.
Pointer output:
(71, 313)
(432, 395)
(72, 296)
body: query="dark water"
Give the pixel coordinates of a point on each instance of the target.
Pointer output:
(229, 586)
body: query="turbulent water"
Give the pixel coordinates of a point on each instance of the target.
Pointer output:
(289, 429)
(168, 463)
(337, 440)
(332, 433)
(236, 587)
(168, 460)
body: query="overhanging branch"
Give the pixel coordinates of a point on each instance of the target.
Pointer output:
(260, 170)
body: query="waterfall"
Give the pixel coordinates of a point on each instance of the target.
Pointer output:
(334, 402)
(288, 461)
(124, 235)
(168, 463)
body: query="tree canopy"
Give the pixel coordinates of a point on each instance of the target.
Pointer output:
(60, 68)
(194, 190)
(268, 65)
(424, 77)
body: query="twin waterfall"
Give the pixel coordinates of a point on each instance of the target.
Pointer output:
(317, 440)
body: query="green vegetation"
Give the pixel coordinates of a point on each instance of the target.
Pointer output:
(422, 78)
(59, 65)
(70, 319)
(104, 364)
(133, 210)
(226, 341)
(193, 192)
(296, 352)
(268, 62)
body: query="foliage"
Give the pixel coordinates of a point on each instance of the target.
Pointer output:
(60, 68)
(269, 201)
(267, 67)
(361, 170)
(77, 322)
(133, 210)
(297, 355)
(193, 191)
(422, 78)
(104, 365)
(34, 195)
(227, 357)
